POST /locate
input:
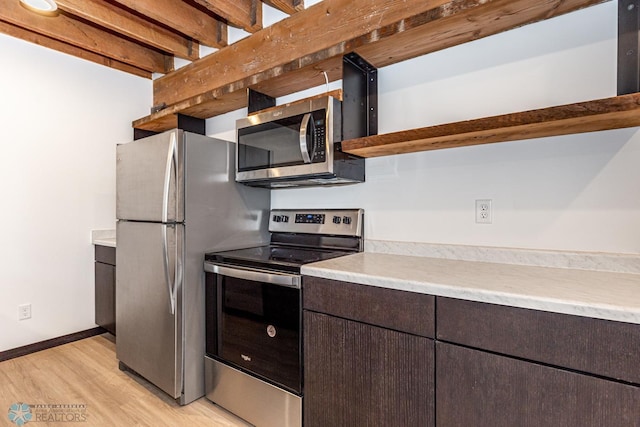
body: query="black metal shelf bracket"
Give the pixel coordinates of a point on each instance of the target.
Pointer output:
(142, 133)
(257, 101)
(192, 124)
(628, 46)
(359, 97)
(186, 123)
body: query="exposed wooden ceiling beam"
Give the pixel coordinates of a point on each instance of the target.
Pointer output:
(320, 27)
(130, 25)
(287, 6)
(50, 43)
(87, 37)
(246, 14)
(460, 20)
(183, 18)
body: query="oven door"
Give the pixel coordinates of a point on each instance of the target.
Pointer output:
(257, 323)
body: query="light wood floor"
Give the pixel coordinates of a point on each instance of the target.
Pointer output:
(86, 372)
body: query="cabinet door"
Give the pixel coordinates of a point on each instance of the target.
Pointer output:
(479, 389)
(595, 346)
(105, 296)
(361, 375)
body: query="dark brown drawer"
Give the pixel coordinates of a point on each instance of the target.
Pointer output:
(601, 347)
(389, 308)
(480, 389)
(105, 254)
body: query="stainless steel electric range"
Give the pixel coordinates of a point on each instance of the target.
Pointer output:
(253, 365)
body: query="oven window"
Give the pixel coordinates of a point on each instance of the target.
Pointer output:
(277, 143)
(259, 329)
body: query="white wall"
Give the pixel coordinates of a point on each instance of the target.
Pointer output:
(58, 182)
(576, 192)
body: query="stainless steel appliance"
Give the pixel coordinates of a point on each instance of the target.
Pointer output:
(296, 144)
(253, 365)
(176, 199)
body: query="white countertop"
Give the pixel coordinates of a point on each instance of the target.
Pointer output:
(104, 238)
(597, 294)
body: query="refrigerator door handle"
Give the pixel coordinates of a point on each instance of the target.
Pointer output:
(171, 164)
(165, 252)
(178, 268)
(172, 153)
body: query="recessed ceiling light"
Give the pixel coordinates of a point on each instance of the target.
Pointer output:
(43, 7)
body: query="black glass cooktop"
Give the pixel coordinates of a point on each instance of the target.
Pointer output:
(274, 257)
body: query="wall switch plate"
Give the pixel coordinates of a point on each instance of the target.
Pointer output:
(24, 312)
(484, 213)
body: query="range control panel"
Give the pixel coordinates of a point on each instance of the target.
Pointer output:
(342, 222)
(309, 218)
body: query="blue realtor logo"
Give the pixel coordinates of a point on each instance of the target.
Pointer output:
(20, 413)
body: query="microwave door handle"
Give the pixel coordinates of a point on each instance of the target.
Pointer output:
(304, 150)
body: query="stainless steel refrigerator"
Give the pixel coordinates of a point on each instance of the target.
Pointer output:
(176, 198)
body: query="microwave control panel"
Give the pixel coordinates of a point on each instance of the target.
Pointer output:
(319, 139)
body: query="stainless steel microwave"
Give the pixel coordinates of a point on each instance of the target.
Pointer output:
(296, 144)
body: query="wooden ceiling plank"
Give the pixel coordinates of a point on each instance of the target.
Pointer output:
(85, 36)
(460, 22)
(184, 18)
(287, 6)
(294, 77)
(320, 27)
(590, 116)
(121, 21)
(59, 46)
(246, 14)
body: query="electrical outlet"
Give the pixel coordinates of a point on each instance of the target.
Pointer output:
(24, 312)
(484, 214)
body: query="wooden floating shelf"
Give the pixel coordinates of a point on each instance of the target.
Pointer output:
(597, 115)
(217, 83)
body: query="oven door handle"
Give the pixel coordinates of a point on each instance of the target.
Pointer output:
(288, 280)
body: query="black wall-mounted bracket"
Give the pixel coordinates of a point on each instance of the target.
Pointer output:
(628, 46)
(359, 97)
(192, 124)
(142, 133)
(257, 101)
(186, 123)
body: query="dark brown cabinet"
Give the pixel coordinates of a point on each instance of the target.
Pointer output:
(506, 366)
(105, 287)
(361, 366)
(477, 388)
(381, 357)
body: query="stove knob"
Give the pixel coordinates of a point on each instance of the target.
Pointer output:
(346, 220)
(336, 219)
(285, 218)
(277, 218)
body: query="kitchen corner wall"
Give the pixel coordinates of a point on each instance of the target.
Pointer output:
(61, 119)
(575, 192)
